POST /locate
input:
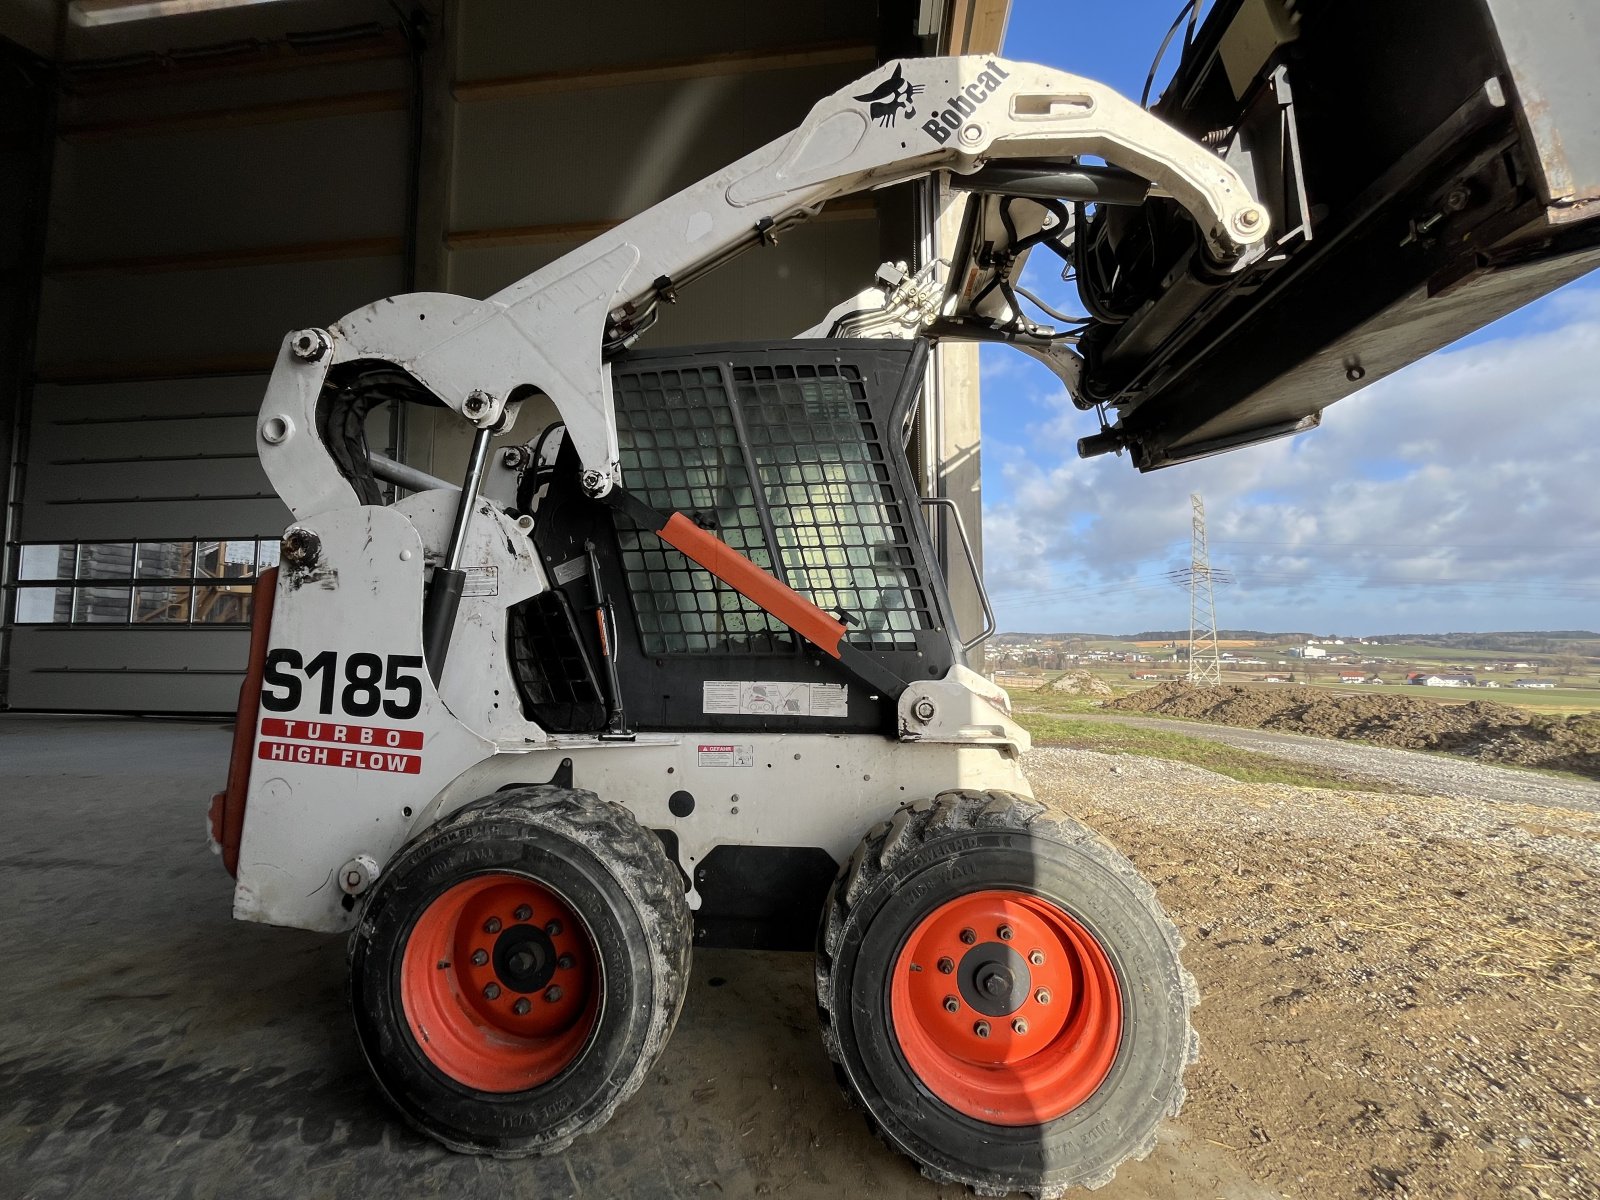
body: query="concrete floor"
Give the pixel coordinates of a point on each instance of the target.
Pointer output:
(150, 1046)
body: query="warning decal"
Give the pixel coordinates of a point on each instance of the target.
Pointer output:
(336, 744)
(726, 754)
(749, 697)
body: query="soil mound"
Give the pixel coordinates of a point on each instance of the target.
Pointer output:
(1477, 729)
(1081, 683)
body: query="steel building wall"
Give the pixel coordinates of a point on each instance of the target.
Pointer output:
(555, 134)
(198, 215)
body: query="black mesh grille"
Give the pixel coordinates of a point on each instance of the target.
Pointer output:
(680, 453)
(818, 453)
(842, 535)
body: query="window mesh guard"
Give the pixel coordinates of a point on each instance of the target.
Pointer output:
(692, 438)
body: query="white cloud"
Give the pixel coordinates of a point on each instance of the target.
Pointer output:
(1463, 492)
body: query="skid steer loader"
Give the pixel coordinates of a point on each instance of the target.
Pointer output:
(681, 669)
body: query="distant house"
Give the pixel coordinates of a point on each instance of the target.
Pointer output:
(1352, 676)
(1429, 679)
(1494, 683)
(1143, 675)
(1274, 679)
(1533, 683)
(1310, 650)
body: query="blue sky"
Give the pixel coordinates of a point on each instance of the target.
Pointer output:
(1462, 493)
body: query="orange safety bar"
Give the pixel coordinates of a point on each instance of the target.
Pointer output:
(760, 587)
(227, 806)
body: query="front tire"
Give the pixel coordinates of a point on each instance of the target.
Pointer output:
(1001, 992)
(518, 970)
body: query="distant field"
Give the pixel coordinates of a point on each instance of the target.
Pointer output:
(1247, 766)
(1554, 702)
(1439, 654)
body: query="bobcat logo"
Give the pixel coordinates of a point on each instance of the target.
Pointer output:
(891, 98)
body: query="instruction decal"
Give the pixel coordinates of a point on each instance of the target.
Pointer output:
(771, 698)
(335, 744)
(726, 754)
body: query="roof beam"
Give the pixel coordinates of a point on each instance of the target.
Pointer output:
(247, 256)
(974, 27)
(315, 108)
(739, 62)
(95, 77)
(174, 368)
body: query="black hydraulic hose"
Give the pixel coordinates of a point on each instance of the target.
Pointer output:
(1059, 316)
(1191, 9)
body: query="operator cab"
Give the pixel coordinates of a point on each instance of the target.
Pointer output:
(793, 454)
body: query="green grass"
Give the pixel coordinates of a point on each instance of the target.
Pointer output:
(1058, 702)
(1246, 766)
(1422, 653)
(1552, 702)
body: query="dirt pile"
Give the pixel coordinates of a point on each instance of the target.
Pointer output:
(1399, 995)
(1081, 683)
(1477, 729)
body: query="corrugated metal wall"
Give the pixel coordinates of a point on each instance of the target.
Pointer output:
(197, 212)
(555, 133)
(201, 210)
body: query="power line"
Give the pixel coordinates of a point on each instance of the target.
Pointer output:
(1205, 666)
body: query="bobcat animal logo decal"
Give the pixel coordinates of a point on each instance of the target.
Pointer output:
(890, 98)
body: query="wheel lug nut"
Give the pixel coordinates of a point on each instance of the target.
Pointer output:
(552, 994)
(491, 991)
(479, 957)
(553, 929)
(492, 925)
(968, 936)
(1019, 1025)
(1042, 995)
(564, 962)
(981, 1029)
(521, 1007)
(523, 912)
(951, 1004)
(946, 965)
(1036, 957)
(1006, 933)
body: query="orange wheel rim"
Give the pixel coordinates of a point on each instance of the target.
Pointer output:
(498, 983)
(1006, 1008)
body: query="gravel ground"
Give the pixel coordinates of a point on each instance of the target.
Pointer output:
(1401, 994)
(1436, 774)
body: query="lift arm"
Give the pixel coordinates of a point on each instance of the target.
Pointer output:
(550, 331)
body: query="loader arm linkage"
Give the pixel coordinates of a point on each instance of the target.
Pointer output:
(551, 331)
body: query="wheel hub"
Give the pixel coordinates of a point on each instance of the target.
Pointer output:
(524, 958)
(1006, 1007)
(994, 979)
(499, 983)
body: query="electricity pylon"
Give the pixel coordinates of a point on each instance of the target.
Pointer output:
(1204, 664)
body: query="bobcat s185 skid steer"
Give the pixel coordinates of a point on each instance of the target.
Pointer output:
(680, 667)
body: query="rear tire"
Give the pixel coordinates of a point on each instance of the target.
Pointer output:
(937, 939)
(518, 970)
